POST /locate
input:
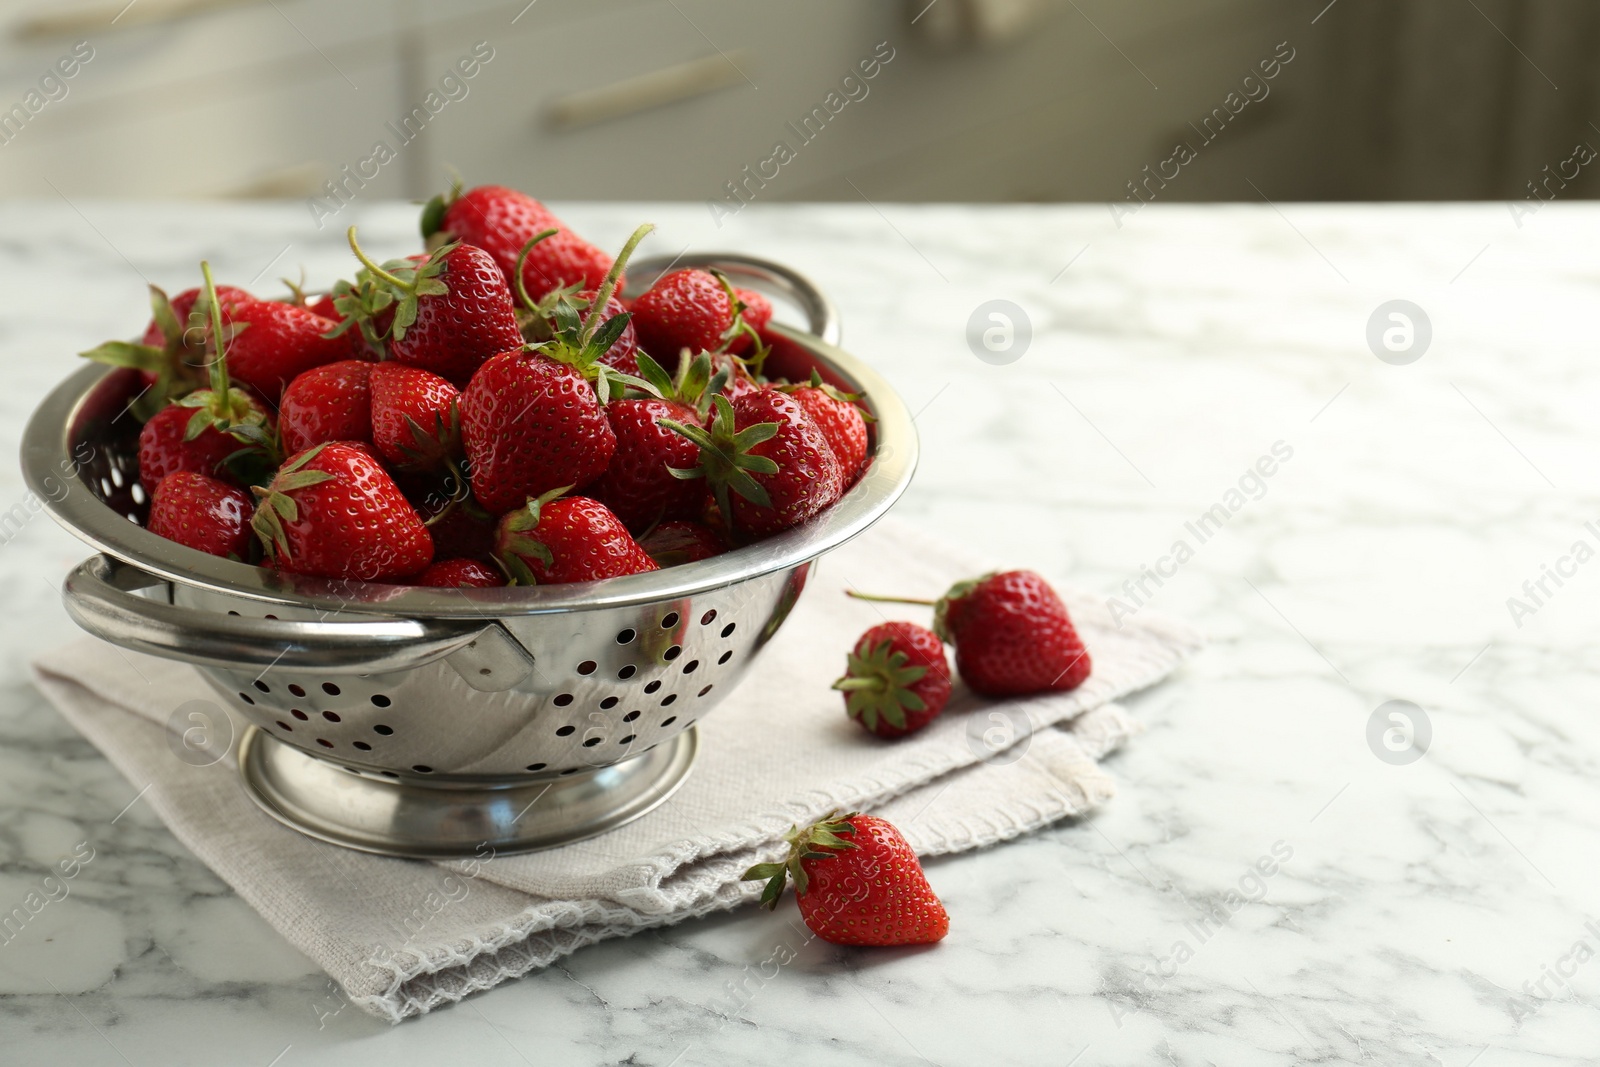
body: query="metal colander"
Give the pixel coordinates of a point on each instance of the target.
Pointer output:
(432, 722)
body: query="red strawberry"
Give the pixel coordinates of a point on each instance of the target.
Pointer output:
(171, 358)
(416, 424)
(451, 313)
(532, 422)
(328, 403)
(207, 426)
(690, 308)
(672, 544)
(567, 539)
(841, 421)
(1012, 635)
(858, 883)
(502, 221)
(333, 511)
(461, 573)
(165, 447)
(639, 484)
(897, 680)
(757, 313)
(202, 513)
(766, 449)
(531, 425)
(272, 344)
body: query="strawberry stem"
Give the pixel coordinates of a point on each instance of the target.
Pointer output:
(609, 286)
(891, 599)
(219, 365)
(522, 258)
(442, 513)
(376, 270)
(804, 843)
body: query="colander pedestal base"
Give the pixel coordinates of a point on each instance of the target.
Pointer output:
(455, 819)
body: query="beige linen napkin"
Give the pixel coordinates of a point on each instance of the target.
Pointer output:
(403, 937)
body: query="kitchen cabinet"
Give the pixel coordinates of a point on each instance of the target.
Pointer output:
(618, 99)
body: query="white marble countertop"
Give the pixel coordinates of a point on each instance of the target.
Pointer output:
(1431, 912)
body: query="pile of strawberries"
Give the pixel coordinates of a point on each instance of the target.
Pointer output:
(489, 411)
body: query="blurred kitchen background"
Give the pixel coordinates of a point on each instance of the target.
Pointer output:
(972, 100)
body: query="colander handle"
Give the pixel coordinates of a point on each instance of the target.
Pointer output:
(98, 597)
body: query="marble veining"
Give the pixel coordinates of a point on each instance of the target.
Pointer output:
(1271, 885)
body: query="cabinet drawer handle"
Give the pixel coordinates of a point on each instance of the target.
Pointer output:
(646, 91)
(120, 14)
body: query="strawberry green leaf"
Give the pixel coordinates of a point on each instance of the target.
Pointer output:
(128, 354)
(198, 423)
(433, 215)
(607, 334)
(165, 318)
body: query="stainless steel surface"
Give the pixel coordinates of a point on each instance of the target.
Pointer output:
(420, 820)
(604, 685)
(456, 693)
(99, 598)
